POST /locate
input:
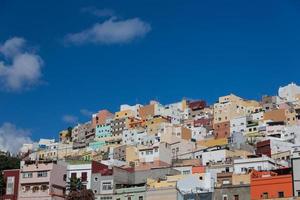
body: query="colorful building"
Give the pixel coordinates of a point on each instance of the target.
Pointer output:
(272, 184)
(42, 180)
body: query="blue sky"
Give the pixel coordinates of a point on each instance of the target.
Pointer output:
(89, 55)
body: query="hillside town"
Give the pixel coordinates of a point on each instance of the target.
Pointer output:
(233, 149)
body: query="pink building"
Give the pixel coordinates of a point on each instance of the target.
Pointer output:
(42, 181)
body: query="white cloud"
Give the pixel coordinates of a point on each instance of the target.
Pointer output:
(98, 12)
(111, 31)
(12, 138)
(86, 112)
(71, 119)
(22, 69)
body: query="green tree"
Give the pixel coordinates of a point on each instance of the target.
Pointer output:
(77, 190)
(75, 184)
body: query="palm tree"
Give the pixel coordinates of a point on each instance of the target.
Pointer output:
(77, 191)
(75, 184)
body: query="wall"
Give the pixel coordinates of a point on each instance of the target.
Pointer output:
(161, 194)
(296, 175)
(242, 192)
(272, 185)
(96, 180)
(222, 130)
(262, 163)
(213, 156)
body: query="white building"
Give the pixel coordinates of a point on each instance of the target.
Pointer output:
(138, 137)
(158, 151)
(211, 156)
(194, 186)
(199, 133)
(289, 93)
(243, 165)
(258, 116)
(278, 145)
(238, 125)
(283, 132)
(80, 169)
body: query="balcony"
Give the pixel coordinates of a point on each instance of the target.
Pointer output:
(131, 190)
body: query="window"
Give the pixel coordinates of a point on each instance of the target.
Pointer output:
(44, 187)
(10, 185)
(236, 197)
(185, 172)
(298, 193)
(96, 179)
(106, 185)
(141, 197)
(65, 177)
(280, 194)
(106, 198)
(227, 169)
(42, 174)
(225, 197)
(27, 175)
(73, 175)
(129, 198)
(265, 195)
(84, 176)
(35, 188)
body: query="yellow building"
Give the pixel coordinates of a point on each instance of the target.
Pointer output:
(213, 142)
(169, 181)
(132, 154)
(153, 125)
(124, 114)
(232, 106)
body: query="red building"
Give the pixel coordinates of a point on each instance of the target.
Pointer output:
(263, 148)
(197, 105)
(271, 184)
(11, 179)
(104, 170)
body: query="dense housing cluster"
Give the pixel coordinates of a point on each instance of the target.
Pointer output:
(235, 149)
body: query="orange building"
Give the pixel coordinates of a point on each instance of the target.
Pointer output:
(101, 117)
(198, 169)
(271, 184)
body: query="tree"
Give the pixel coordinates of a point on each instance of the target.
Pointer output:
(81, 195)
(77, 190)
(75, 184)
(2, 185)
